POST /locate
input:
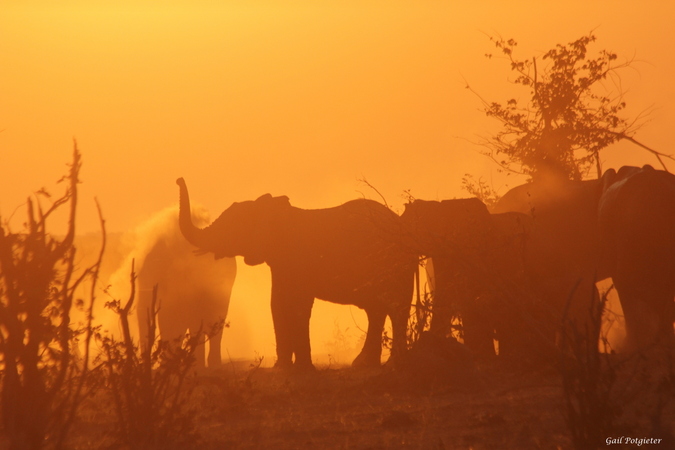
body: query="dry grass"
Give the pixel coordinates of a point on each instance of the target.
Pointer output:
(492, 407)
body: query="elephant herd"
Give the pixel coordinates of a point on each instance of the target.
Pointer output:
(529, 262)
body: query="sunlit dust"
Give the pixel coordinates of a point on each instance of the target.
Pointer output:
(325, 102)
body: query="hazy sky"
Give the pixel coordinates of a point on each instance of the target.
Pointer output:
(293, 98)
(303, 99)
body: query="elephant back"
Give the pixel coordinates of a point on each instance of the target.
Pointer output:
(639, 202)
(437, 228)
(563, 242)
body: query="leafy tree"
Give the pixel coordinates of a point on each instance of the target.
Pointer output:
(567, 118)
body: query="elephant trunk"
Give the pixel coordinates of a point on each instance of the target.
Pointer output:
(192, 234)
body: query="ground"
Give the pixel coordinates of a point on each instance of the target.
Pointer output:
(425, 404)
(356, 409)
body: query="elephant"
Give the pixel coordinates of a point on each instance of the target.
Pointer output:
(348, 254)
(193, 292)
(562, 258)
(476, 256)
(637, 228)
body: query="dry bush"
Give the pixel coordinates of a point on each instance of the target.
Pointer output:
(589, 379)
(43, 374)
(150, 385)
(611, 395)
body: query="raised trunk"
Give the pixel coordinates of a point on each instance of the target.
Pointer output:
(192, 234)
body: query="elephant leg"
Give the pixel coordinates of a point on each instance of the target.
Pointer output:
(200, 349)
(646, 288)
(441, 319)
(282, 331)
(301, 312)
(399, 324)
(291, 309)
(372, 349)
(478, 331)
(197, 325)
(512, 331)
(648, 315)
(637, 319)
(214, 359)
(444, 289)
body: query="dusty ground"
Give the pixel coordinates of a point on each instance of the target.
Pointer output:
(490, 405)
(357, 409)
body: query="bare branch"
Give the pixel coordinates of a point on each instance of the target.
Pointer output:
(659, 156)
(384, 200)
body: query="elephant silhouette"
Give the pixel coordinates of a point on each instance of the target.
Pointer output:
(620, 226)
(561, 257)
(347, 254)
(637, 229)
(475, 258)
(193, 292)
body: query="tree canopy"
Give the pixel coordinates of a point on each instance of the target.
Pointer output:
(569, 116)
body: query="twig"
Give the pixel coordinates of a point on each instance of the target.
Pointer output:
(384, 200)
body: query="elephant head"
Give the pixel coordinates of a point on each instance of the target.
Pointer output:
(244, 229)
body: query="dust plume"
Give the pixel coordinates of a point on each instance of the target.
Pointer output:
(336, 331)
(193, 290)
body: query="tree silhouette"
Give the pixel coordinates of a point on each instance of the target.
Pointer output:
(569, 116)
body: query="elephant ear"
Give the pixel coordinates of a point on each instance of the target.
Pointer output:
(269, 213)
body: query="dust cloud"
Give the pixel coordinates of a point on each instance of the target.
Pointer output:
(336, 331)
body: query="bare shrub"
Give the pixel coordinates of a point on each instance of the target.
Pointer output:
(420, 319)
(150, 385)
(43, 374)
(608, 394)
(589, 379)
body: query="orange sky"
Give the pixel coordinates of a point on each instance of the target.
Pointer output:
(301, 100)
(294, 98)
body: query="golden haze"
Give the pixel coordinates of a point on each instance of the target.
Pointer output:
(294, 98)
